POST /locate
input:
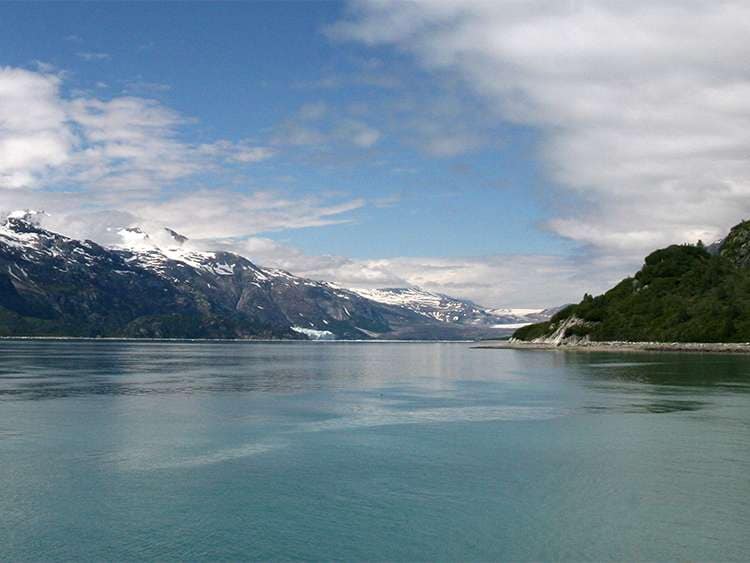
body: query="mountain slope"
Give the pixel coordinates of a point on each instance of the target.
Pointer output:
(54, 285)
(682, 294)
(267, 296)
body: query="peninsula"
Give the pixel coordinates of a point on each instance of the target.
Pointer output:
(691, 295)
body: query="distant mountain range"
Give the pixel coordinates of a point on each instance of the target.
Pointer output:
(683, 293)
(159, 287)
(451, 310)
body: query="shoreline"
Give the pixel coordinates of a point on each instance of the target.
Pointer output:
(693, 347)
(231, 340)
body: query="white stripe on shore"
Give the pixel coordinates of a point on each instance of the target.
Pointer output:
(621, 346)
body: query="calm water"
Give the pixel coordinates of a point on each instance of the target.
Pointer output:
(115, 450)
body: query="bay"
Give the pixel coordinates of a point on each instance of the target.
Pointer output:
(370, 451)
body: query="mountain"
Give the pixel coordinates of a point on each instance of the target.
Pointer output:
(446, 309)
(156, 286)
(683, 293)
(54, 285)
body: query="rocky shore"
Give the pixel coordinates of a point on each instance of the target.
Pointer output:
(588, 346)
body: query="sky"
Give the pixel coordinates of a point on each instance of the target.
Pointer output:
(513, 153)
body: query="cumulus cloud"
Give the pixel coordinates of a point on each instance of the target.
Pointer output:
(34, 133)
(643, 106)
(123, 144)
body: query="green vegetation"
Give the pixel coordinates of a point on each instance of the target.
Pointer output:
(682, 294)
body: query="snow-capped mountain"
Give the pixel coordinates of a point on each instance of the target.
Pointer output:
(432, 305)
(446, 309)
(157, 285)
(54, 285)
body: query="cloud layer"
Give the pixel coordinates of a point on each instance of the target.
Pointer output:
(34, 133)
(644, 106)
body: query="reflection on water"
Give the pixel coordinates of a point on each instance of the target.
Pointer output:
(56, 370)
(679, 370)
(653, 382)
(146, 450)
(647, 405)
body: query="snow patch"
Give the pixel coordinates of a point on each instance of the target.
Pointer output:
(314, 334)
(511, 325)
(32, 216)
(516, 312)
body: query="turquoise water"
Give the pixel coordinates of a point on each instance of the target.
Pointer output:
(343, 451)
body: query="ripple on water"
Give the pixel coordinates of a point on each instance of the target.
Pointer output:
(385, 417)
(146, 460)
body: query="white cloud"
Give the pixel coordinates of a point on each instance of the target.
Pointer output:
(217, 214)
(493, 281)
(500, 280)
(124, 144)
(34, 135)
(643, 106)
(128, 143)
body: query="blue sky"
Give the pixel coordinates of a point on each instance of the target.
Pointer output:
(478, 149)
(241, 69)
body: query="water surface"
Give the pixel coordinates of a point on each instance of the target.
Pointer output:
(147, 450)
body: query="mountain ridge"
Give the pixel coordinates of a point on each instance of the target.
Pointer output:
(57, 286)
